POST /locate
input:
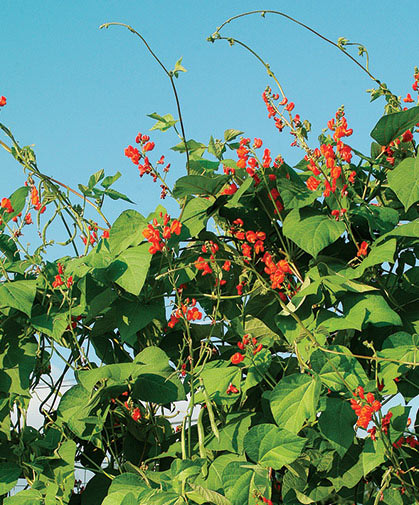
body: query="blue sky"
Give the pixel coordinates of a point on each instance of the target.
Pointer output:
(81, 94)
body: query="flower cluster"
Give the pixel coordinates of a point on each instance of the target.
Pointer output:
(187, 310)
(6, 204)
(249, 344)
(250, 241)
(411, 441)
(364, 409)
(92, 235)
(277, 272)
(146, 167)
(157, 233)
(59, 280)
(326, 159)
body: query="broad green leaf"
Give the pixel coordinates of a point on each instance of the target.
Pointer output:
(127, 482)
(152, 358)
(207, 495)
(405, 230)
(242, 480)
(380, 253)
(163, 122)
(336, 423)
(338, 371)
(126, 231)
(130, 268)
(96, 490)
(404, 181)
(115, 195)
(8, 247)
(294, 400)
(216, 147)
(203, 167)
(9, 474)
(369, 308)
(110, 179)
(217, 380)
(193, 146)
(231, 134)
(95, 178)
(117, 373)
(393, 125)
(216, 469)
(134, 316)
(373, 454)
(198, 185)
(272, 447)
(311, 230)
(232, 434)
(25, 497)
(347, 471)
(158, 388)
(259, 364)
(18, 294)
(381, 219)
(195, 215)
(295, 194)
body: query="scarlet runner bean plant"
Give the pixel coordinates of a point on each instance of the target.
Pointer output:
(280, 303)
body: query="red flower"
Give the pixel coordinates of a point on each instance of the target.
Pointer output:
(58, 281)
(227, 265)
(3, 101)
(290, 106)
(148, 147)
(362, 251)
(70, 281)
(408, 99)
(232, 389)
(312, 183)
(407, 136)
(105, 234)
(257, 143)
(237, 358)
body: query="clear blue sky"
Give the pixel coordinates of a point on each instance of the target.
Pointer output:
(81, 94)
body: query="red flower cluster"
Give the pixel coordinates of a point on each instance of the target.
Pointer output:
(146, 168)
(157, 233)
(385, 422)
(363, 410)
(230, 189)
(35, 200)
(269, 98)
(3, 101)
(92, 236)
(253, 343)
(237, 358)
(58, 279)
(411, 441)
(185, 312)
(251, 240)
(277, 271)
(6, 204)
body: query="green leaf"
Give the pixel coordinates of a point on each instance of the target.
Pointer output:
(132, 317)
(347, 471)
(405, 230)
(8, 247)
(231, 134)
(195, 215)
(379, 254)
(338, 371)
(272, 447)
(127, 482)
(158, 388)
(311, 230)
(108, 181)
(193, 147)
(126, 231)
(369, 308)
(216, 147)
(232, 434)
(178, 67)
(203, 166)
(294, 400)
(95, 178)
(198, 185)
(130, 269)
(18, 294)
(25, 497)
(115, 195)
(393, 125)
(404, 181)
(295, 194)
(373, 454)
(337, 424)
(9, 474)
(242, 480)
(163, 122)
(217, 380)
(208, 495)
(257, 369)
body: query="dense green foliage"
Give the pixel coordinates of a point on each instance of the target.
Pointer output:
(281, 304)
